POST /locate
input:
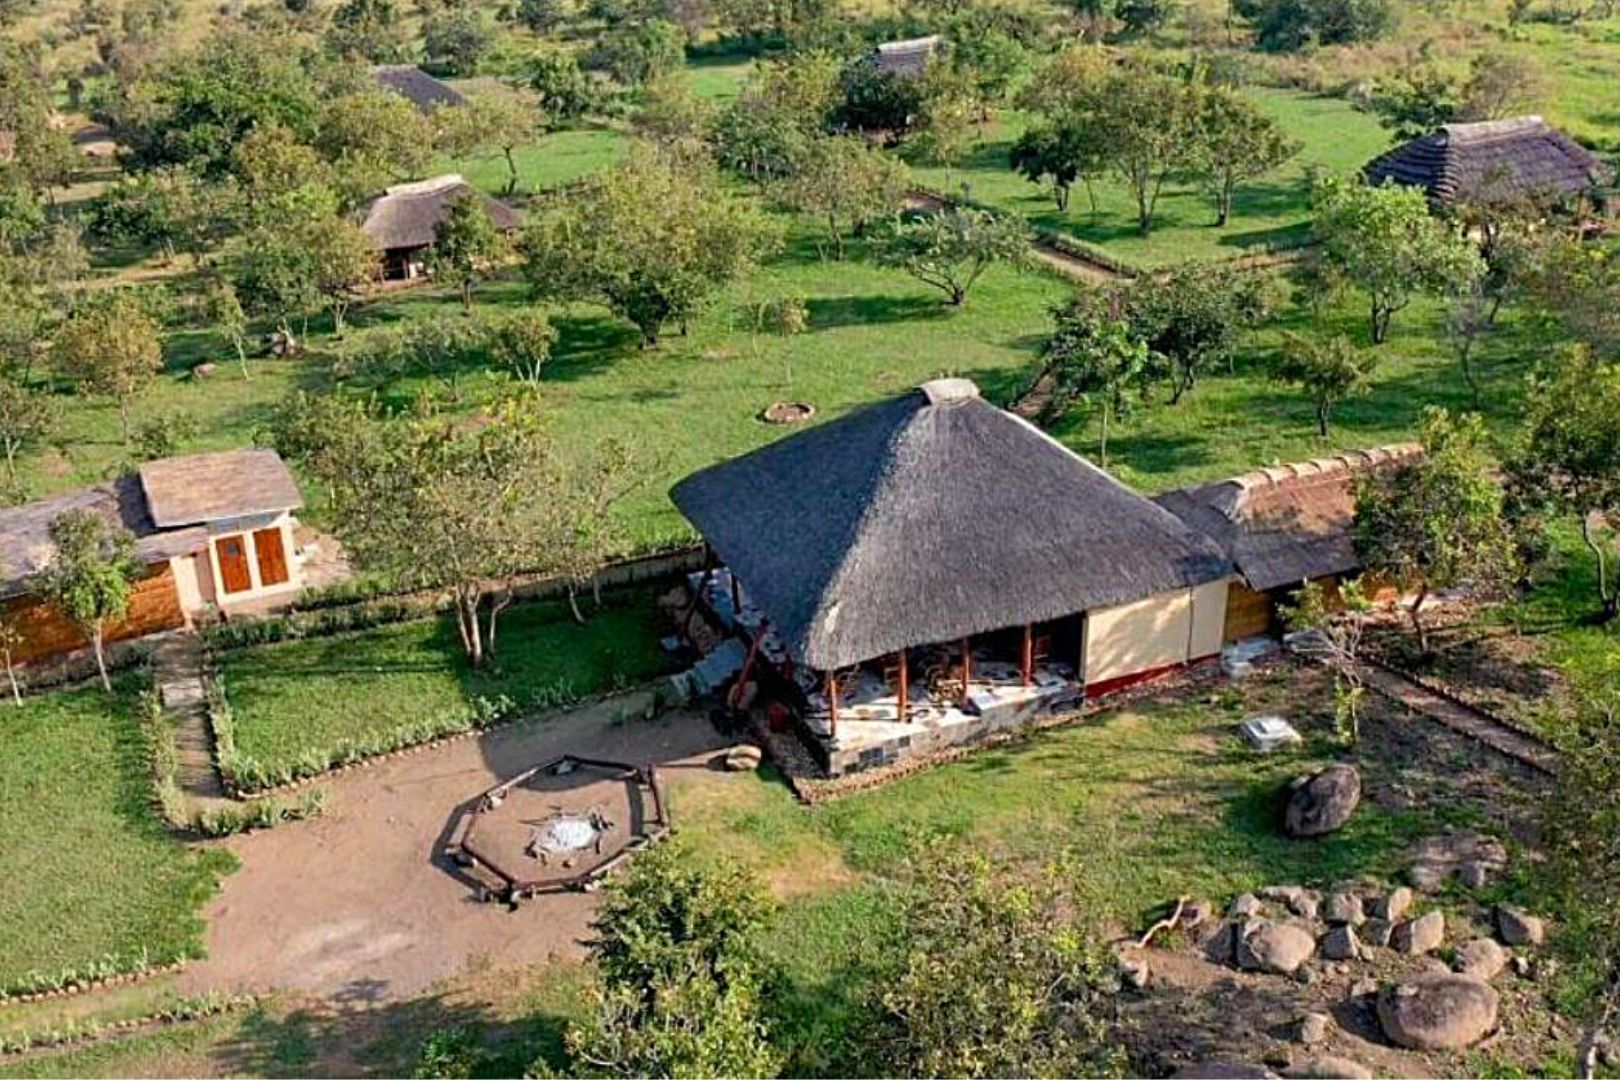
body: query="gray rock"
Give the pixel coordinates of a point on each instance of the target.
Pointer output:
(1322, 801)
(1517, 927)
(1376, 933)
(1244, 906)
(1328, 1067)
(1276, 948)
(1473, 874)
(1313, 1028)
(1420, 935)
(1343, 908)
(1393, 905)
(1221, 948)
(1305, 905)
(1438, 1012)
(1339, 943)
(1362, 988)
(1426, 877)
(1481, 958)
(1283, 894)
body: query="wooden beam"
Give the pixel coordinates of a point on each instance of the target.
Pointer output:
(967, 670)
(832, 704)
(1026, 667)
(736, 597)
(905, 688)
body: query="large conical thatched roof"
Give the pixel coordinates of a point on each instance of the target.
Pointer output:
(1492, 161)
(927, 518)
(408, 215)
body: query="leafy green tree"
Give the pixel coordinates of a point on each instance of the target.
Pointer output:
(1569, 452)
(565, 91)
(952, 249)
(1093, 359)
(680, 975)
(522, 342)
(540, 16)
(640, 54)
(948, 113)
(1576, 283)
(457, 41)
(369, 30)
(989, 58)
(1192, 319)
(877, 100)
(1148, 126)
(1065, 84)
(995, 977)
(1417, 102)
(465, 244)
(372, 138)
(1060, 153)
(492, 119)
(28, 419)
(1501, 85)
(38, 153)
(284, 181)
(169, 208)
(1385, 242)
(223, 309)
(343, 262)
(845, 183)
(1339, 622)
(111, 348)
(1293, 25)
(89, 576)
(273, 274)
(674, 115)
(1141, 17)
(652, 240)
(1236, 143)
(783, 105)
(1329, 371)
(1436, 521)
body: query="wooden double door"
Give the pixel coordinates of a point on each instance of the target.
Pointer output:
(270, 553)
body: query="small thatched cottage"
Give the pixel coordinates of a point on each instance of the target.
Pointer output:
(416, 86)
(1492, 162)
(213, 532)
(937, 532)
(906, 59)
(1280, 527)
(401, 222)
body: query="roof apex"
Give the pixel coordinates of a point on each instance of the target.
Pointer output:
(945, 391)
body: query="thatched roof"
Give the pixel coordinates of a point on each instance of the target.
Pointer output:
(929, 517)
(416, 86)
(905, 58)
(25, 531)
(218, 487)
(1282, 525)
(1493, 161)
(405, 215)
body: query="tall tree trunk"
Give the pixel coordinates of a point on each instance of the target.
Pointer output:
(11, 677)
(497, 604)
(573, 604)
(98, 646)
(1103, 449)
(1322, 409)
(1418, 625)
(472, 636)
(1606, 594)
(511, 172)
(123, 417)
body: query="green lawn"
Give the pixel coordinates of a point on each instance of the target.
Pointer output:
(551, 161)
(1272, 210)
(91, 876)
(304, 705)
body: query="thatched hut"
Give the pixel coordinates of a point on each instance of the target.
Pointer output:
(213, 532)
(416, 86)
(935, 521)
(402, 221)
(1492, 162)
(906, 59)
(1282, 526)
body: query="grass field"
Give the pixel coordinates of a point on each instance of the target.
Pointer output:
(306, 703)
(90, 873)
(1273, 210)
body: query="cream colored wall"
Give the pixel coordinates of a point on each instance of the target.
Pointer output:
(1160, 631)
(246, 528)
(193, 581)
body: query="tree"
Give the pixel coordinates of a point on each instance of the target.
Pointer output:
(27, 419)
(1236, 143)
(1147, 125)
(457, 41)
(111, 348)
(1385, 242)
(1142, 17)
(168, 208)
(372, 138)
(1417, 102)
(521, 342)
(952, 249)
(273, 274)
(89, 576)
(1436, 521)
(1060, 153)
(465, 243)
(652, 239)
(1291, 25)
(1093, 358)
(993, 977)
(1191, 319)
(564, 90)
(1569, 452)
(845, 183)
(635, 55)
(674, 115)
(877, 100)
(342, 260)
(1329, 371)
(11, 640)
(783, 105)
(38, 151)
(679, 974)
(1467, 318)
(1338, 624)
(1501, 85)
(493, 119)
(990, 58)
(224, 311)
(370, 30)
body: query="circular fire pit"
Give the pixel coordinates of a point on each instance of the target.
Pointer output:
(560, 825)
(788, 412)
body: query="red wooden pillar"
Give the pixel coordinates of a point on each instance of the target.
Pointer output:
(832, 704)
(967, 670)
(1027, 667)
(905, 688)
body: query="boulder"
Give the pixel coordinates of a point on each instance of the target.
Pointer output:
(1283, 894)
(744, 757)
(1517, 927)
(1223, 1070)
(1376, 933)
(1393, 905)
(1323, 801)
(1276, 948)
(1438, 1012)
(1343, 908)
(1420, 935)
(1221, 948)
(1473, 874)
(1339, 943)
(1481, 958)
(1313, 1028)
(1328, 1067)
(1244, 906)
(1305, 905)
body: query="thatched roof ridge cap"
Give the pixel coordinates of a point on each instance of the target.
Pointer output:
(927, 41)
(431, 186)
(1486, 130)
(943, 391)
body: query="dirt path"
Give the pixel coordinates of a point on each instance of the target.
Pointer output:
(358, 906)
(1461, 718)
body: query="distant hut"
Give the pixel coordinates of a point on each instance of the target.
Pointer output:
(1494, 161)
(936, 530)
(401, 222)
(416, 86)
(1282, 526)
(906, 59)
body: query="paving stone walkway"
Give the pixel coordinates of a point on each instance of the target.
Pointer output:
(178, 663)
(1464, 719)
